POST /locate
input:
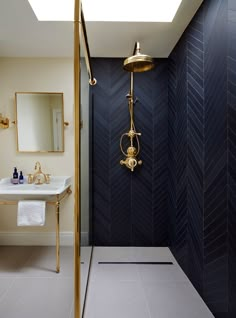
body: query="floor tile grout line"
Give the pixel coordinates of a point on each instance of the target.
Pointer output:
(7, 291)
(87, 283)
(143, 291)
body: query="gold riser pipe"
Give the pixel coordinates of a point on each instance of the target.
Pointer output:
(131, 103)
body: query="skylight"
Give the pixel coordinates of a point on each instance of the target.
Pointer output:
(107, 10)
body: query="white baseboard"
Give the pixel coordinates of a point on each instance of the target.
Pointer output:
(38, 239)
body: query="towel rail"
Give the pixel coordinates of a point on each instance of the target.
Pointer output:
(56, 203)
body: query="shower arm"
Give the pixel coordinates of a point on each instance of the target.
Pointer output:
(136, 48)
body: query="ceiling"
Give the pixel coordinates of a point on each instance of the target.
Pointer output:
(22, 35)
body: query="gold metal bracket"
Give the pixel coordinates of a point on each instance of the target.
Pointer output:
(92, 81)
(4, 122)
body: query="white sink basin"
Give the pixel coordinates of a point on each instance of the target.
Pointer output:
(56, 186)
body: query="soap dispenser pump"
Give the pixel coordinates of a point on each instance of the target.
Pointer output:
(15, 176)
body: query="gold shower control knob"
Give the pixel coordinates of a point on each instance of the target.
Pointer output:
(130, 162)
(131, 151)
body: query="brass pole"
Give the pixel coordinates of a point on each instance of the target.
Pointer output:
(77, 15)
(92, 79)
(136, 48)
(131, 106)
(132, 84)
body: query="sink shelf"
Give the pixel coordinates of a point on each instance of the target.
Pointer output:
(57, 185)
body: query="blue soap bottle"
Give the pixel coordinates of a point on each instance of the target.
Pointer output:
(21, 178)
(15, 177)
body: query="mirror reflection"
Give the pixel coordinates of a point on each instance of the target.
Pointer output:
(39, 122)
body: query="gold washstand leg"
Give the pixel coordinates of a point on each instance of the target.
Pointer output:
(58, 236)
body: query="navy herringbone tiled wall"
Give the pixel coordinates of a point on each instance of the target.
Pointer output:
(231, 73)
(195, 150)
(129, 208)
(215, 201)
(202, 154)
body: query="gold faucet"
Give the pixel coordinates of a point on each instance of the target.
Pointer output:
(38, 177)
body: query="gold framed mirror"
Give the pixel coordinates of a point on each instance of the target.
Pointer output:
(39, 121)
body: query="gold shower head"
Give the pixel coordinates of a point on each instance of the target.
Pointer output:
(138, 62)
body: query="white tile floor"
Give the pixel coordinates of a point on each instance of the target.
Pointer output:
(140, 291)
(30, 287)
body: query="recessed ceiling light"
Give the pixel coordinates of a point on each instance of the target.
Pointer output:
(107, 10)
(130, 10)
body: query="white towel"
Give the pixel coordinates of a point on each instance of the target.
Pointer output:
(31, 213)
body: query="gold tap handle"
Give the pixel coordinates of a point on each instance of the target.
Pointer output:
(30, 178)
(47, 178)
(132, 163)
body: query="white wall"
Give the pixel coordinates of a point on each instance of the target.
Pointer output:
(36, 75)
